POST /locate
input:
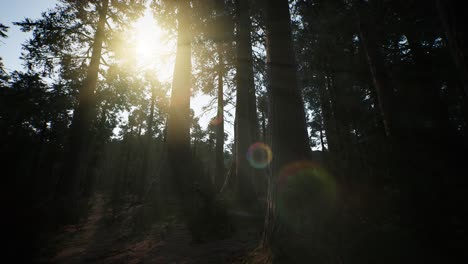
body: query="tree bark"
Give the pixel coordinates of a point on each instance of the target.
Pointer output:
(178, 123)
(382, 82)
(328, 122)
(289, 137)
(219, 175)
(426, 100)
(68, 191)
(246, 113)
(431, 123)
(147, 147)
(97, 142)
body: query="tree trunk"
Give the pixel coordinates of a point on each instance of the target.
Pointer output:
(338, 95)
(289, 137)
(428, 105)
(68, 191)
(375, 60)
(431, 120)
(178, 123)
(328, 122)
(96, 145)
(147, 147)
(219, 175)
(246, 113)
(263, 121)
(322, 144)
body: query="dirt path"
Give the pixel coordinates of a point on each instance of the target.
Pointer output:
(96, 242)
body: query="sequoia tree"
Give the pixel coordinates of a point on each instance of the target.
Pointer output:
(289, 139)
(246, 128)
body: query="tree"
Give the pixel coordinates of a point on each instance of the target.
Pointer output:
(3, 34)
(213, 64)
(246, 112)
(289, 143)
(72, 19)
(382, 82)
(76, 163)
(217, 30)
(178, 124)
(150, 129)
(219, 176)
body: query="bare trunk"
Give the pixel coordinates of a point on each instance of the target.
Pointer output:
(263, 121)
(328, 123)
(219, 175)
(322, 144)
(289, 137)
(178, 123)
(382, 82)
(97, 142)
(431, 122)
(147, 148)
(75, 167)
(246, 115)
(428, 105)
(342, 155)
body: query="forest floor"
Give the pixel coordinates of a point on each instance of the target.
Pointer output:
(94, 240)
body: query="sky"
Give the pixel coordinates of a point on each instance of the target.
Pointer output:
(14, 11)
(10, 48)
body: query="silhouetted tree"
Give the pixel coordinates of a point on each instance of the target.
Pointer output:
(289, 143)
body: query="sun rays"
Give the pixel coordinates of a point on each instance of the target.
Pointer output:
(153, 47)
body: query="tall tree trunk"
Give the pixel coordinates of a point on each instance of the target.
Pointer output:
(328, 122)
(341, 124)
(322, 144)
(178, 123)
(76, 161)
(430, 108)
(263, 122)
(432, 123)
(147, 147)
(246, 113)
(289, 137)
(97, 142)
(375, 60)
(219, 175)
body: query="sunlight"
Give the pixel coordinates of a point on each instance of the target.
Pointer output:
(154, 47)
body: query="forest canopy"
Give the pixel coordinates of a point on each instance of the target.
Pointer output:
(237, 131)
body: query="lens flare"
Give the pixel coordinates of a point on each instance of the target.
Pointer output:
(259, 155)
(307, 194)
(300, 169)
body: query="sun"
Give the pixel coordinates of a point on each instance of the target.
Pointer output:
(154, 48)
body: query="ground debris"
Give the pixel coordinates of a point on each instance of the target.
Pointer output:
(97, 241)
